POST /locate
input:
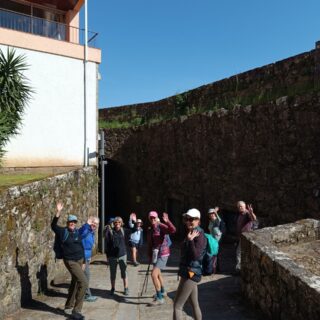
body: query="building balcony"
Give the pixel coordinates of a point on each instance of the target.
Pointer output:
(45, 28)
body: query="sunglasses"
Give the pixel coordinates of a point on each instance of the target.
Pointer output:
(189, 219)
(73, 221)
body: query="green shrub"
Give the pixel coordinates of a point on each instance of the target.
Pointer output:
(15, 93)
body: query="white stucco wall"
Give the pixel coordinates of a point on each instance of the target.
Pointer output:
(52, 133)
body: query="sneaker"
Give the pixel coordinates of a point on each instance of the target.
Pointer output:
(68, 311)
(112, 291)
(126, 291)
(156, 302)
(164, 294)
(77, 315)
(135, 263)
(90, 298)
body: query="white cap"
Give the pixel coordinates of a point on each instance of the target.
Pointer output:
(193, 213)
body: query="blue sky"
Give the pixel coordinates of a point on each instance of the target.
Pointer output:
(152, 49)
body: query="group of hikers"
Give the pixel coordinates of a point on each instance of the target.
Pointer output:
(199, 253)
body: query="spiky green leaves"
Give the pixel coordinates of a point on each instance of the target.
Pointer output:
(14, 95)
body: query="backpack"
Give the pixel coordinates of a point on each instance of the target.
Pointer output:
(166, 239)
(211, 251)
(169, 242)
(222, 227)
(57, 246)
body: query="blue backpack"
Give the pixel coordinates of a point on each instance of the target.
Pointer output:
(211, 251)
(169, 242)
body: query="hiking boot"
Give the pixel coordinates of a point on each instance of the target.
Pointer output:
(126, 291)
(68, 311)
(90, 298)
(77, 315)
(156, 302)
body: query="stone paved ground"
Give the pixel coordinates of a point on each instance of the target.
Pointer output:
(219, 295)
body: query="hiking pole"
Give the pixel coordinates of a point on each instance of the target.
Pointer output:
(145, 282)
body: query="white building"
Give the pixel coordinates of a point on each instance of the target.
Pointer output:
(60, 124)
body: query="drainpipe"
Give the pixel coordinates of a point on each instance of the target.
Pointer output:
(102, 164)
(85, 147)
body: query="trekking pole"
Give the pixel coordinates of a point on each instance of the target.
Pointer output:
(146, 287)
(145, 282)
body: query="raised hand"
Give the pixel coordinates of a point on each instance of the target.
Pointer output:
(90, 220)
(59, 208)
(165, 217)
(193, 234)
(133, 217)
(250, 209)
(251, 213)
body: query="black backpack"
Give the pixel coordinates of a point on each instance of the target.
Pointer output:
(57, 246)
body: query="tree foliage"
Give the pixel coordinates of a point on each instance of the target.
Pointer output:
(15, 94)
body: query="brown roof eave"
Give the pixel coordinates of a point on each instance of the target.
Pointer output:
(64, 5)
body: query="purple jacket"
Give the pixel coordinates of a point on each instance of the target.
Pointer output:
(155, 238)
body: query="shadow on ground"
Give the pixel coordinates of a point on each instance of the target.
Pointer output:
(221, 299)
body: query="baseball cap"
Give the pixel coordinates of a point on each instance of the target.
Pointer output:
(72, 217)
(193, 213)
(153, 214)
(212, 210)
(139, 221)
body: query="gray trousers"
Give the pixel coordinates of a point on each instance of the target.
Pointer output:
(78, 285)
(87, 273)
(187, 290)
(238, 256)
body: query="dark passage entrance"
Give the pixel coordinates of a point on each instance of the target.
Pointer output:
(117, 196)
(175, 210)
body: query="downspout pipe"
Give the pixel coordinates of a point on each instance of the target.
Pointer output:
(85, 147)
(102, 164)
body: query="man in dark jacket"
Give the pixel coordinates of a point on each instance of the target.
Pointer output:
(245, 220)
(73, 258)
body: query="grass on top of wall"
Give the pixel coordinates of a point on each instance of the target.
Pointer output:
(232, 99)
(12, 179)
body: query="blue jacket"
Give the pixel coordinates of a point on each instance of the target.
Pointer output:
(87, 240)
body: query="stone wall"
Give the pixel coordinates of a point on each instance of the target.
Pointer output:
(289, 77)
(271, 280)
(267, 154)
(27, 263)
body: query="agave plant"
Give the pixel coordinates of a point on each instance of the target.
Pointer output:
(15, 94)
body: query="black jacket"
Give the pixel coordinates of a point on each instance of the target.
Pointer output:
(72, 247)
(115, 243)
(192, 253)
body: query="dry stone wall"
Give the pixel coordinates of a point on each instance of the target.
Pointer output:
(267, 154)
(289, 77)
(272, 280)
(27, 263)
